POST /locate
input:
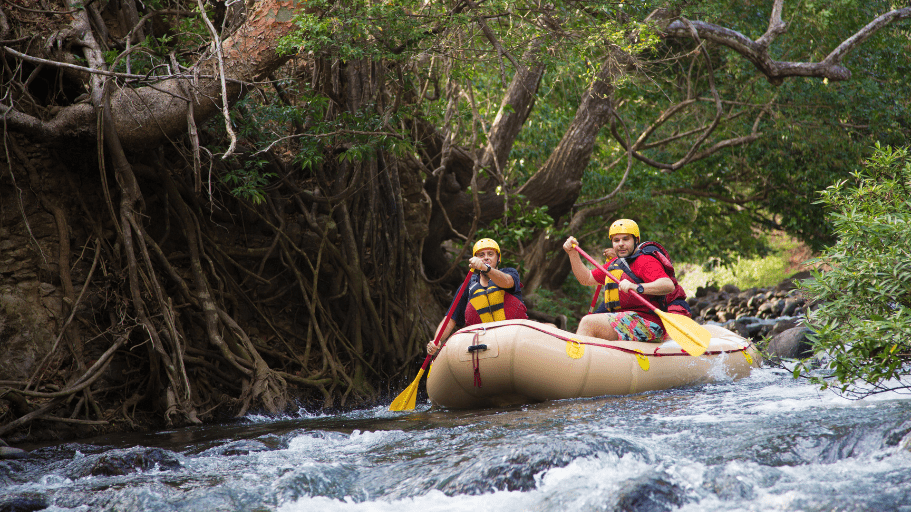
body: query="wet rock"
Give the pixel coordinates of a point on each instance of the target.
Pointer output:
(791, 344)
(242, 447)
(22, 504)
(122, 462)
(729, 487)
(899, 436)
(8, 452)
(517, 472)
(783, 324)
(790, 306)
(651, 494)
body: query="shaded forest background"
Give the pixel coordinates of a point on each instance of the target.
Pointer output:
(208, 208)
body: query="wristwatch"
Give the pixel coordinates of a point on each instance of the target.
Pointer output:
(640, 289)
(488, 269)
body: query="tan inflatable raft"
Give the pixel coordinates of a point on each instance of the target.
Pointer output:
(520, 361)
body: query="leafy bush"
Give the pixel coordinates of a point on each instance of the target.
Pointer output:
(863, 325)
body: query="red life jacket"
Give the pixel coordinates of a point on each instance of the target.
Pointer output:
(674, 302)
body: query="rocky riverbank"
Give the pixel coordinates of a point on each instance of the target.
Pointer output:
(775, 314)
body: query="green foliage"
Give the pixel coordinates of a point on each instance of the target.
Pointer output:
(813, 132)
(152, 54)
(743, 272)
(250, 181)
(517, 227)
(864, 322)
(360, 29)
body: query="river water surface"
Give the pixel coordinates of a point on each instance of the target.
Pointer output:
(766, 442)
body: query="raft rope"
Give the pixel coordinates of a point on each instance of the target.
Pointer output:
(655, 353)
(475, 350)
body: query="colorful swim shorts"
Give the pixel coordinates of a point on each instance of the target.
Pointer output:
(632, 327)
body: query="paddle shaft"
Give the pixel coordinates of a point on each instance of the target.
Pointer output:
(436, 340)
(591, 308)
(602, 269)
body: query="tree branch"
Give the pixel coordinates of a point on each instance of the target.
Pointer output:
(757, 51)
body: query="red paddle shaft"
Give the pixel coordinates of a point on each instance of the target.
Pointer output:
(591, 308)
(436, 341)
(602, 269)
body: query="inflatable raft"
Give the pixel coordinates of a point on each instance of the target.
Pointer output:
(520, 362)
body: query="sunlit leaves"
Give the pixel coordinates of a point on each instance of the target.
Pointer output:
(863, 325)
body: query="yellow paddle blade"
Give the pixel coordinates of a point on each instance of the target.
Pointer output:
(406, 399)
(693, 337)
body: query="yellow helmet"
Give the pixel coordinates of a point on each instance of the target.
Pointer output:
(485, 243)
(624, 227)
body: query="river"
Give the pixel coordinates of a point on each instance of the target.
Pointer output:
(766, 442)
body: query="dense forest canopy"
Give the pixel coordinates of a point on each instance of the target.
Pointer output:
(269, 200)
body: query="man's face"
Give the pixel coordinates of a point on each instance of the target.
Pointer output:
(624, 244)
(489, 256)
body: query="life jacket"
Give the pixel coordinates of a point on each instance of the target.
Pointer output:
(492, 304)
(674, 302)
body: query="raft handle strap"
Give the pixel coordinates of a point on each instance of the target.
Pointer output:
(475, 351)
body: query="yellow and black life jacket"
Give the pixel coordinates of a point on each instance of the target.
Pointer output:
(612, 289)
(487, 301)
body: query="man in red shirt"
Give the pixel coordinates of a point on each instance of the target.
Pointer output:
(622, 317)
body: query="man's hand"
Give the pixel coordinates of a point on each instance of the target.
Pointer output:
(476, 263)
(570, 245)
(626, 285)
(609, 253)
(432, 348)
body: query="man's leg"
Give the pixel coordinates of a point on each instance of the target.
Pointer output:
(598, 325)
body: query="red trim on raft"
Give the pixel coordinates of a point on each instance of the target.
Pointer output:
(621, 349)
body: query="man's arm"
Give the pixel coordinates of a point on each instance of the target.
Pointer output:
(501, 279)
(662, 286)
(580, 271)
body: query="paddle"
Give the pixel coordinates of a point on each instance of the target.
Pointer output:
(693, 337)
(591, 308)
(406, 399)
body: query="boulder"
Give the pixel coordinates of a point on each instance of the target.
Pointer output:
(22, 503)
(791, 344)
(649, 493)
(730, 289)
(784, 324)
(8, 452)
(704, 291)
(122, 462)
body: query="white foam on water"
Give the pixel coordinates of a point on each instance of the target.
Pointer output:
(356, 442)
(583, 484)
(434, 501)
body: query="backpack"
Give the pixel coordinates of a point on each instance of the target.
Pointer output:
(674, 302)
